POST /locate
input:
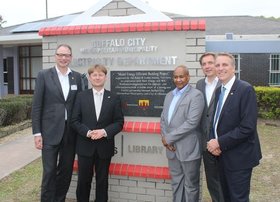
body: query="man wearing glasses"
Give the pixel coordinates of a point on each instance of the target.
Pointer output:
(55, 92)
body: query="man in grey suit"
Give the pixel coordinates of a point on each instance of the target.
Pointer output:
(180, 132)
(55, 92)
(207, 86)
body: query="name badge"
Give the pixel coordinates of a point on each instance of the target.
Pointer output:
(74, 87)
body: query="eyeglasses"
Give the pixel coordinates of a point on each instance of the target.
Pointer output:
(61, 55)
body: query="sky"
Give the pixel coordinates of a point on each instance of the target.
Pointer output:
(21, 11)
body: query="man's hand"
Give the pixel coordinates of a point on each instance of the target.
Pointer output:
(97, 134)
(169, 147)
(213, 147)
(217, 152)
(163, 141)
(38, 140)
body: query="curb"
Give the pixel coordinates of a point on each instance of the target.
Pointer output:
(5, 131)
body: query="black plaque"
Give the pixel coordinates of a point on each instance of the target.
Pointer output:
(142, 92)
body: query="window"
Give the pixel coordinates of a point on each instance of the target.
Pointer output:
(30, 61)
(5, 72)
(237, 65)
(274, 70)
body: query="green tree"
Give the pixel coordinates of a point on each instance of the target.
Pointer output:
(2, 21)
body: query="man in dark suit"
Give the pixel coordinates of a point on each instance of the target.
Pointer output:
(207, 86)
(180, 132)
(235, 138)
(97, 117)
(53, 100)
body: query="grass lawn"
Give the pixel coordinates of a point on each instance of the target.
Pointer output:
(24, 184)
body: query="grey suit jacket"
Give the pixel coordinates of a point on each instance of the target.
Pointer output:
(183, 130)
(208, 113)
(48, 106)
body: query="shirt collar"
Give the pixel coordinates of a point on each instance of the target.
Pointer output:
(230, 83)
(215, 81)
(101, 91)
(58, 72)
(176, 91)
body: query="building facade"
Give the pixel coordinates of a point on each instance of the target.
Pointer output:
(254, 41)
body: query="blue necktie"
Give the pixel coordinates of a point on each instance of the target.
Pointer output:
(219, 108)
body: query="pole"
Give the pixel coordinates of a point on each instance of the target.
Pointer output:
(47, 9)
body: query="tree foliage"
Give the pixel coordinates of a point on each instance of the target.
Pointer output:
(2, 21)
(271, 18)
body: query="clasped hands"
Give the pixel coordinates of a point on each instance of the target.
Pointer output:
(96, 134)
(168, 146)
(213, 147)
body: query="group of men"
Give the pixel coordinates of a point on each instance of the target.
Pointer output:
(67, 120)
(219, 119)
(220, 125)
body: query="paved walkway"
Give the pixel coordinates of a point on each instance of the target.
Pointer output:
(17, 153)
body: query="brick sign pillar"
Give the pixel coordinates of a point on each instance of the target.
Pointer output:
(140, 58)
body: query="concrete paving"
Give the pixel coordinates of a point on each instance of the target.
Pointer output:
(17, 153)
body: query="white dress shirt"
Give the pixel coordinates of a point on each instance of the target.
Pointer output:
(65, 85)
(209, 89)
(98, 98)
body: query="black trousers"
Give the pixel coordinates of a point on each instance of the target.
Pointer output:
(57, 169)
(86, 167)
(211, 168)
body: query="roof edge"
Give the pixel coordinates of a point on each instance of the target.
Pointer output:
(177, 25)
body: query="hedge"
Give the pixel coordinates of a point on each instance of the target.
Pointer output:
(15, 109)
(268, 102)
(18, 108)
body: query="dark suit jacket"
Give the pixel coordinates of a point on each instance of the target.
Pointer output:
(237, 128)
(48, 106)
(206, 121)
(84, 119)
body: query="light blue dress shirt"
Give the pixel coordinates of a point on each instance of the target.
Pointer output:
(176, 96)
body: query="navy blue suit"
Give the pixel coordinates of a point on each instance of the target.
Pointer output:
(238, 140)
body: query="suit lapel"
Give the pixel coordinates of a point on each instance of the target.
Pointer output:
(105, 103)
(229, 99)
(212, 101)
(91, 106)
(72, 84)
(180, 100)
(55, 79)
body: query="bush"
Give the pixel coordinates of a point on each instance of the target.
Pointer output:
(268, 102)
(15, 109)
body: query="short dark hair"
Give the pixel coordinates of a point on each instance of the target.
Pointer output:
(206, 54)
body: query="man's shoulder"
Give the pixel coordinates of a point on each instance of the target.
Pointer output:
(75, 73)
(110, 93)
(194, 90)
(243, 84)
(200, 83)
(85, 92)
(47, 71)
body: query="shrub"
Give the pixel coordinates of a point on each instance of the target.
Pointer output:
(15, 109)
(268, 102)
